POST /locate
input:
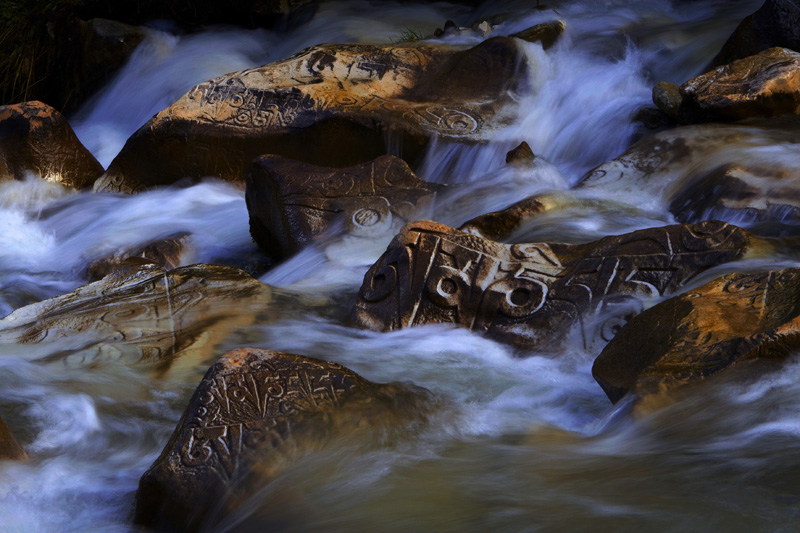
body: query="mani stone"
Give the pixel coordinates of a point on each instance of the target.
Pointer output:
(255, 413)
(735, 318)
(141, 314)
(531, 294)
(331, 105)
(292, 203)
(9, 447)
(764, 85)
(37, 139)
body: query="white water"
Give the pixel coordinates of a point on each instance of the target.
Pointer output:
(523, 443)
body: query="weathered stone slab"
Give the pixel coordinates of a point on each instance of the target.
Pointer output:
(142, 314)
(532, 294)
(255, 413)
(329, 105)
(35, 138)
(9, 447)
(292, 203)
(736, 318)
(763, 85)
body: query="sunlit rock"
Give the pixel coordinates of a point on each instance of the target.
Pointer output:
(165, 253)
(292, 203)
(330, 105)
(776, 23)
(532, 294)
(141, 314)
(37, 139)
(255, 413)
(9, 447)
(763, 85)
(736, 318)
(546, 34)
(499, 225)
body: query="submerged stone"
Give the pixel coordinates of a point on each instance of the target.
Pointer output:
(546, 34)
(9, 447)
(330, 105)
(292, 203)
(142, 314)
(36, 139)
(736, 318)
(532, 294)
(165, 253)
(255, 413)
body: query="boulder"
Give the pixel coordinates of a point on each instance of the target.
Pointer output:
(547, 33)
(736, 318)
(35, 138)
(330, 105)
(292, 203)
(532, 294)
(763, 85)
(166, 253)
(776, 23)
(667, 97)
(254, 414)
(141, 314)
(9, 447)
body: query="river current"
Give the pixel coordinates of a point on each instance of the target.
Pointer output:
(523, 443)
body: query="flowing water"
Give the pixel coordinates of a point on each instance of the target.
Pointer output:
(522, 444)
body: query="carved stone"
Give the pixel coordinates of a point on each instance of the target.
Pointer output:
(735, 318)
(9, 447)
(531, 294)
(329, 105)
(763, 85)
(166, 253)
(35, 138)
(255, 413)
(292, 203)
(142, 314)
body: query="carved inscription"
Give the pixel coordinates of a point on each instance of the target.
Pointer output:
(530, 294)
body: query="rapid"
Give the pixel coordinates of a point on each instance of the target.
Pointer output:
(521, 443)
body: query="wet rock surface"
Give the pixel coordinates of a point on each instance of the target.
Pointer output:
(776, 23)
(141, 314)
(531, 294)
(339, 99)
(547, 34)
(292, 203)
(9, 447)
(736, 318)
(37, 139)
(165, 253)
(255, 413)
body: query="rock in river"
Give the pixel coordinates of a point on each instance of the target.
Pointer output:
(37, 139)
(291, 203)
(9, 447)
(141, 314)
(532, 294)
(736, 318)
(329, 105)
(254, 414)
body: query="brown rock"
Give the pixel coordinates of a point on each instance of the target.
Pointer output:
(763, 85)
(547, 34)
(735, 318)
(521, 155)
(667, 97)
(142, 314)
(532, 294)
(776, 23)
(329, 105)
(292, 203)
(36, 138)
(165, 253)
(499, 225)
(9, 447)
(255, 413)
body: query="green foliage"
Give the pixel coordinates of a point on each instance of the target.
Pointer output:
(409, 35)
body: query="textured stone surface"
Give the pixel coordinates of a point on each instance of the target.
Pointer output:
(667, 97)
(329, 105)
(291, 203)
(547, 34)
(499, 225)
(521, 155)
(735, 318)
(35, 138)
(531, 294)
(762, 85)
(9, 447)
(141, 314)
(255, 413)
(166, 253)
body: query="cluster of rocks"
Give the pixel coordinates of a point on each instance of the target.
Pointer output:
(257, 411)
